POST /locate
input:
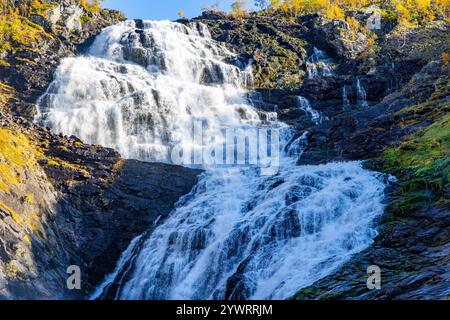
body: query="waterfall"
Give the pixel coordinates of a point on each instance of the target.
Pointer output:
(362, 95)
(243, 236)
(297, 146)
(319, 65)
(238, 234)
(138, 91)
(315, 115)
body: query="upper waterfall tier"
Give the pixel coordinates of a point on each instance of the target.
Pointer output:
(139, 90)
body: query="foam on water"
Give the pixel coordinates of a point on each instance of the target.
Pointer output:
(238, 234)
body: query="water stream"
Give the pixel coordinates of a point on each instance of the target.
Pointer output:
(239, 234)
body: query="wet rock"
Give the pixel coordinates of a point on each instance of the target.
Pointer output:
(68, 37)
(80, 205)
(409, 269)
(277, 57)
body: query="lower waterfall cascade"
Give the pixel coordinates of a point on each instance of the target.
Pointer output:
(238, 234)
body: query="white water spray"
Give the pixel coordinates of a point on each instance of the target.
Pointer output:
(319, 65)
(362, 95)
(305, 105)
(140, 92)
(237, 235)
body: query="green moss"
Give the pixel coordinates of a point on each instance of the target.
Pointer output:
(17, 155)
(61, 163)
(281, 65)
(85, 19)
(429, 107)
(423, 148)
(17, 31)
(422, 161)
(5, 93)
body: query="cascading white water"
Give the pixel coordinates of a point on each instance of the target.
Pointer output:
(238, 234)
(243, 236)
(362, 95)
(319, 65)
(305, 105)
(139, 92)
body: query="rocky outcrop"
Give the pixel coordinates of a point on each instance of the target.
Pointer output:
(387, 103)
(66, 203)
(68, 28)
(271, 46)
(364, 134)
(63, 202)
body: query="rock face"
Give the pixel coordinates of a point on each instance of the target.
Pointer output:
(73, 204)
(364, 134)
(388, 104)
(62, 202)
(271, 46)
(69, 26)
(65, 203)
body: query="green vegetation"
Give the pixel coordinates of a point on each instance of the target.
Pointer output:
(91, 6)
(61, 163)
(6, 92)
(17, 156)
(278, 71)
(417, 12)
(422, 160)
(425, 158)
(16, 29)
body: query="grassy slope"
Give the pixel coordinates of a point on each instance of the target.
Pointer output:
(422, 160)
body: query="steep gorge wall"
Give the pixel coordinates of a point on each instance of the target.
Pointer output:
(404, 131)
(63, 202)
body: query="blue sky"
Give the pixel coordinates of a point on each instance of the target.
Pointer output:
(163, 9)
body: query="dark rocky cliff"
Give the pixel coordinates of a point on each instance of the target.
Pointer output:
(63, 202)
(403, 130)
(67, 27)
(66, 203)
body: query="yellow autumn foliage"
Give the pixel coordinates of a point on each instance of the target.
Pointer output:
(408, 12)
(16, 30)
(91, 6)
